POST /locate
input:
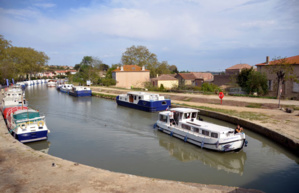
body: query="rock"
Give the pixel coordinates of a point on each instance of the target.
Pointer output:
(289, 110)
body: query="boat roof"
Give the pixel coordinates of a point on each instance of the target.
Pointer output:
(141, 93)
(209, 126)
(184, 110)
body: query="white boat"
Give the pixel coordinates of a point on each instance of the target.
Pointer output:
(144, 101)
(66, 88)
(183, 124)
(27, 125)
(12, 102)
(79, 91)
(51, 83)
(14, 93)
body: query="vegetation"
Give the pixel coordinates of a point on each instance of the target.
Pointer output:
(141, 56)
(252, 81)
(19, 62)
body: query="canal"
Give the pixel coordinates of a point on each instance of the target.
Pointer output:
(96, 132)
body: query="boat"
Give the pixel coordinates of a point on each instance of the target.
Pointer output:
(79, 91)
(12, 102)
(51, 83)
(10, 110)
(22, 85)
(66, 88)
(143, 101)
(183, 124)
(14, 93)
(27, 125)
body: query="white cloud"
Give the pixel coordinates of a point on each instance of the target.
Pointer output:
(45, 5)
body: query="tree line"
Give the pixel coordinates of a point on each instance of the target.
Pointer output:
(19, 62)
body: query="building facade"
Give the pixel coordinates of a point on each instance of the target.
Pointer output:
(128, 76)
(168, 81)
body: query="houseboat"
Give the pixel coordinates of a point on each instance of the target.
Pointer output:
(183, 124)
(27, 125)
(65, 88)
(143, 101)
(79, 91)
(12, 102)
(51, 83)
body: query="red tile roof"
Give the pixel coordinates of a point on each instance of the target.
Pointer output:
(239, 66)
(203, 75)
(290, 60)
(130, 68)
(187, 76)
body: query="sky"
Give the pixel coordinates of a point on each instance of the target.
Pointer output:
(194, 35)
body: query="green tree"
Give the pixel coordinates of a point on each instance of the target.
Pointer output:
(162, 68)
(173, 69)
(257, 82)
(243, 77)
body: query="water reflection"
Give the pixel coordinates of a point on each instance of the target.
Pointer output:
(229, 162)
(42, 146)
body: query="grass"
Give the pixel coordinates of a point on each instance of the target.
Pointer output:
(254, 105)
(243, 114)
(107, 96)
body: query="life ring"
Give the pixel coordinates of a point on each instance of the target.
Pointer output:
(41, 123)
(23, 126)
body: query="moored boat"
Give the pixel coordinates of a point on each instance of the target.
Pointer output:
(144, 101)
(183, 124)
(27, 125)
(66, 88)
(51, 83)
(10, 110)
(79, 91)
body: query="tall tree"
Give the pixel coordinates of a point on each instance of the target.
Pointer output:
(283, 69)
(243, 77)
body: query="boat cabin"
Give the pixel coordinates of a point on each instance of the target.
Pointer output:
(135, 97)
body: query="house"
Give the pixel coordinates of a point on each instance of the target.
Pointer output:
(194, 78)
(236, 69)
(128, 76)
(168, 81)
(290, 89)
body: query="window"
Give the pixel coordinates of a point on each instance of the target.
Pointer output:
(187, 115)
(187, 127)
(139, 97)
(196, 130)
(295, 87)
(164, 103)
(270, 85)
(215, 135)
(194, 115)
(163, 118)
(135, 97)
(204, 132)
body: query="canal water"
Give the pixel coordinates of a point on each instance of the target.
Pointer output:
(96, 132)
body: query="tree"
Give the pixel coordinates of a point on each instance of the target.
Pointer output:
(173, 69)
(140, 56)
(283, 70)
(252, 81)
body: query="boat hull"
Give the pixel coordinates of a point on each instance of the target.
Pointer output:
(80, 93)
(149, 106)
(31, 136)
(235, 144)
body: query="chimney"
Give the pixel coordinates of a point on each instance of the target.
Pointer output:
(267, 60)
(122, 68)
(157, 75)
(143, 68)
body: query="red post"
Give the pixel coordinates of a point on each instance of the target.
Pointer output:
(221, 95)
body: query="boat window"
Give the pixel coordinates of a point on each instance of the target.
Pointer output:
(187, 115)
(194, 115)
(187, 127)
(204, 132)
(163, 118)
(139, 97)
(215, 135)
(8, 94)
(196, 130)
(164, 103)
(135, 97)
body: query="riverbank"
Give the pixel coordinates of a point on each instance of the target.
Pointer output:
(269, 121)
(25, 170)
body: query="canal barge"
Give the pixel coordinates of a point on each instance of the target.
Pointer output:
(65, 88)
(27, 125)
(80, 91)
(143, 101)
(183, 124)
(51, 83)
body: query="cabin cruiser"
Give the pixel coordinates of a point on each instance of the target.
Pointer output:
(66, 88)
(51, 83)
(183, 124)
(79, 91)
(143, 101)
(27, 125)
